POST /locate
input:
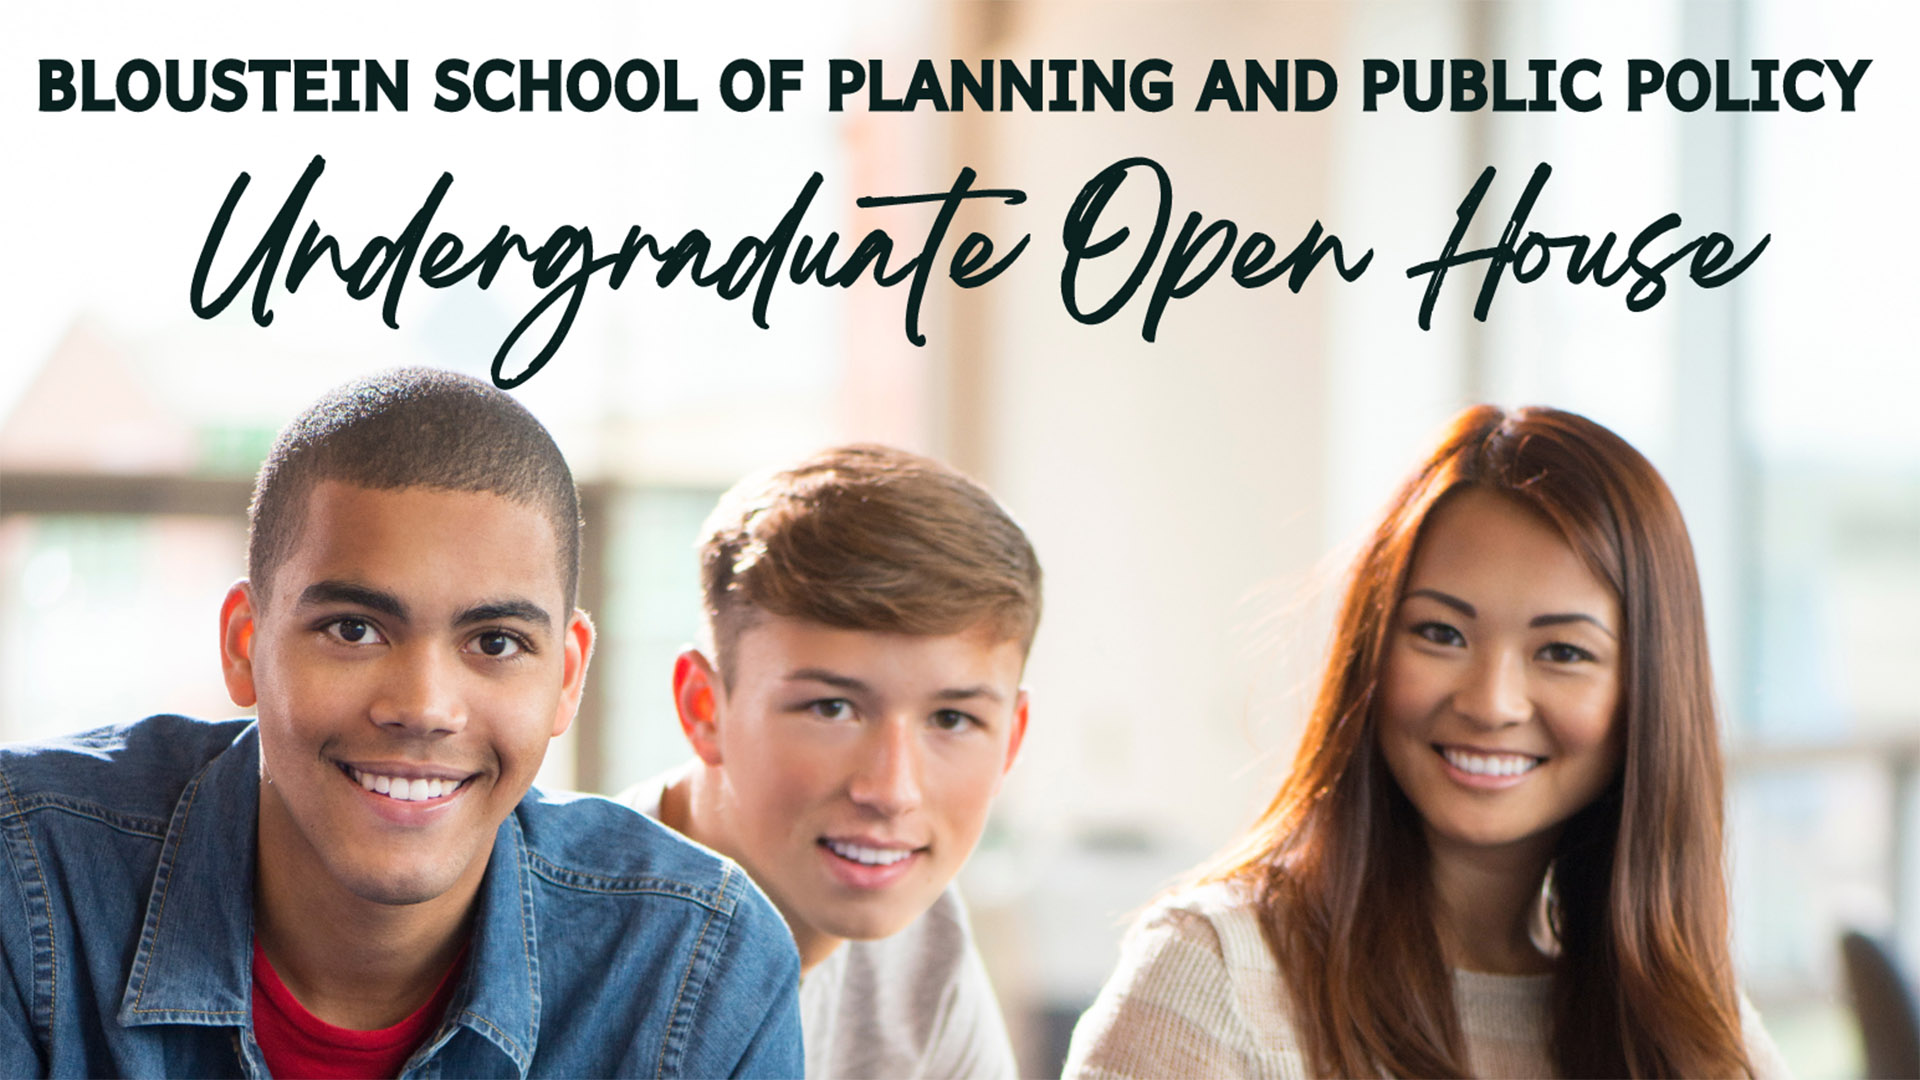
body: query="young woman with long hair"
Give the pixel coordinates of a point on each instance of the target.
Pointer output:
(1499, 850)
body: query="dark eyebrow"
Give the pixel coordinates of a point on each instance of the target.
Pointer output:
(496, 610)
(1453, 602)
(968, 693)
(1559, 619)
(323, 593)
(1570, 617)
(855, 686)
(822, 675)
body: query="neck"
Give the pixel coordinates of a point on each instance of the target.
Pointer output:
(1486, 901)
(352, 962)
(692, 805)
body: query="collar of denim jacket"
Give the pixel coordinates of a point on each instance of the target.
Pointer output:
(499, 994)
(194, 963)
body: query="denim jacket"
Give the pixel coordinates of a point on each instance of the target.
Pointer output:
(603, 944)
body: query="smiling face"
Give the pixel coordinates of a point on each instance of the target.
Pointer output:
(851, 770)
(410, 667)
(1499, 713)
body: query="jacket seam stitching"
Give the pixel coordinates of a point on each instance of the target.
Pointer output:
(693, 960)
(483, 1020)
(568, 878)
(46, 900)
(529, 948)
(132, 824)
(159, 916)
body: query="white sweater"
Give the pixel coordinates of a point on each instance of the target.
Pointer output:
(1198, 993)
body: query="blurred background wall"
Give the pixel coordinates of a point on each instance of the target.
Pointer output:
(1193, 500)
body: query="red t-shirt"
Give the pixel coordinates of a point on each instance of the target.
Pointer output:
(297, 1043)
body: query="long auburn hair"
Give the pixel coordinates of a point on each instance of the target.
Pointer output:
(1338, 864)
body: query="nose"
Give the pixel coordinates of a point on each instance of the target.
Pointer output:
(1495, 693)
(888, 779)
(419, 695)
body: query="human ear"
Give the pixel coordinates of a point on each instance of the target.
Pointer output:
(695, 690)
(576, 653)
(1018, 735)
(236, 644)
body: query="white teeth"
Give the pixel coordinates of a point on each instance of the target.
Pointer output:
(866, 855)
(403, 789)
(1490, 764)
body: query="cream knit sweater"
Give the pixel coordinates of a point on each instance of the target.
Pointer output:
(1198, 993)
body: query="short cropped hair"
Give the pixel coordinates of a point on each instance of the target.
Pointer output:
(411, 427)
(866, 537)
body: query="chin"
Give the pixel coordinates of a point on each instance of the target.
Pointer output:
(413, 885)
(1481, 834)
(871, 925)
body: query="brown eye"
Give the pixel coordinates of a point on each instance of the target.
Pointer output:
(1439, 633)
(953, 720)
(1562, 653)
(831, 708)
(353, 631)
(498, 644)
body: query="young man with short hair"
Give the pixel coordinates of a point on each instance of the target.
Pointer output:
(852, 713)
(360, 882)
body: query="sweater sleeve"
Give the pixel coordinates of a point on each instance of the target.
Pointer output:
(1171, 1009)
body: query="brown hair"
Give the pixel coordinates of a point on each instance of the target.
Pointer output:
(867, 537)
(411, 427)
(1644, 983)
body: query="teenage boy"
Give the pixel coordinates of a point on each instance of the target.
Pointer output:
(852, 714)
(360, 882)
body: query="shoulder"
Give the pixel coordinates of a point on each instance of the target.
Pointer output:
(1221, 919)
(1196, 992)
(591, 844)
(1765, 1058)
(132, 771)
(647, 795)
(657, 946)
